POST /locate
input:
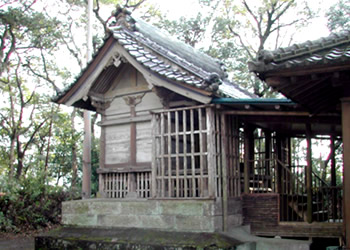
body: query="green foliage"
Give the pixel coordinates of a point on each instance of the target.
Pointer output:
(188, 30)
(339, 16)
(29, 204)
(64, 139)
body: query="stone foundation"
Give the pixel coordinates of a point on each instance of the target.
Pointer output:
(131, 238)
(166, 215)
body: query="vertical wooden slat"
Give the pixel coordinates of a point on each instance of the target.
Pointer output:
(162, 160)
(192, 154)
(201, 194)
(170, 188)
(184, 121)
(114, 179)
(230, 156)
(125, 184)
(217, 150)
(309, 173)
(120, 187)
(143, 182)
(177, 153)
(107, 185)
(247, 157)
(154, 124)
(237, 160)
(211, 151)
(224, 172)
(100, 185)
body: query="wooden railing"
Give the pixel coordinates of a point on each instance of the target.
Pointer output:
(262, 176)
(125, 184)
(326, 201)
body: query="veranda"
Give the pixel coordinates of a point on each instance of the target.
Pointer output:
(208, 152)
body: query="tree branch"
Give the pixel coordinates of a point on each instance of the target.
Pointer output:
(241, 42)
(33, 135)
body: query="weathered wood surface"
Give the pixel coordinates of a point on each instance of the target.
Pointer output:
(300, 229)
(144, 142)
(260, 210)
(117, 144)
(183, 168)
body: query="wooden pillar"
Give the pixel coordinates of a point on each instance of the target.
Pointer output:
(278, 166)
(309, 173)
(224, 172)
(132, 101)
(346, 174)
(86, 185)
(102, 159)
(155, 153)
(211, 151)
(267, 134)
(289, 150)
(334, 193)
(333, 163)
(248, 156)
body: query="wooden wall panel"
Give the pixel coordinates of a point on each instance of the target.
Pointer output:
(143, 142)
(149, 102)
(117, 109)
(118, 144)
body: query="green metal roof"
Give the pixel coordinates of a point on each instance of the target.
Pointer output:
(266, 101)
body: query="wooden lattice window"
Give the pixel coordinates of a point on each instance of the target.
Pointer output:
(184, 162)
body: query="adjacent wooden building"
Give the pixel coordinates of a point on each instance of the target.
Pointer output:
(184, 149)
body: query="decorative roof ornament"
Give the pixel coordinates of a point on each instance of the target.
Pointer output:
(123, 18)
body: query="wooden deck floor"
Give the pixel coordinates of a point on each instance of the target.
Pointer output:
(300, 229)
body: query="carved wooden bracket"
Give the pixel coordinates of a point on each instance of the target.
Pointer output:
(132, 101)
(100, 105)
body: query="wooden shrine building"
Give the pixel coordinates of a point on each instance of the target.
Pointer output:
(316, 75)
(184, 149)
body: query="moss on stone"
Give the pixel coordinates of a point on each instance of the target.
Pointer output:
(140, 238)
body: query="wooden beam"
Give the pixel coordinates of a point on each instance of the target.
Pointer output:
(346, 161)
(308, 71)
(248, 143)
(266, 113)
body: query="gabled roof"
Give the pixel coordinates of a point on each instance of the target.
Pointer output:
(154, 53)
(314, 73)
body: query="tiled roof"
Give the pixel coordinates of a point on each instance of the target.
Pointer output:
(329, 50)
(175, 60)
(167, 57)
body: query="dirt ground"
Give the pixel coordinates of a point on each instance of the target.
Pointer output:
(11, 241)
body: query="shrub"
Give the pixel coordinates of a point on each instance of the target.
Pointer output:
(30, 204)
